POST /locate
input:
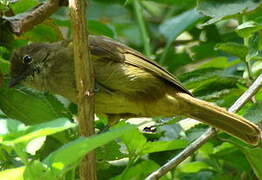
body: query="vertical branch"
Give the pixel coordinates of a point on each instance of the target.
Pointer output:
(84, 81)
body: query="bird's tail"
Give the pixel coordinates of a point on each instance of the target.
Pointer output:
(220, 118)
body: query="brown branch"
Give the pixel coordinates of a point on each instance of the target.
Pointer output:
(27, 20)
(84, 73)
(194, 146)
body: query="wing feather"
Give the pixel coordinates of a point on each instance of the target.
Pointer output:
(105, 47)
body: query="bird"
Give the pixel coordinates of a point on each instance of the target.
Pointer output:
(127, 84)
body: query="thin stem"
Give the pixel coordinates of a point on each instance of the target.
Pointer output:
(163, 56)
(142, 27)
(194, 146)
(246, 60)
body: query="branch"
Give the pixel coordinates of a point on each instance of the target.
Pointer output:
(84, 73)
(194, 146)
(27, 20)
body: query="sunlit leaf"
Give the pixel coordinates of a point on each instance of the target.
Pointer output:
(62, 160)
(35, 131)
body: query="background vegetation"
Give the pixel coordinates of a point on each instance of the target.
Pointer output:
(213, 47)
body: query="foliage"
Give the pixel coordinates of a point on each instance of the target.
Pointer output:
(214, 47)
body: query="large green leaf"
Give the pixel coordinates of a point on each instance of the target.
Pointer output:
(23, 5)
(247, 28)
(37, 170)
(233, 48)
(254, 113)
(159, 146)
(31, 132)
(193, 167)
(13, 174)
(30, 107)
(139, 171)
(68, 155)
(254, 157)
(220, 9)
(134, 141)
(171, 28)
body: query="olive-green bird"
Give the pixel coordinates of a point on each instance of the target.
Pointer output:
(128, 84)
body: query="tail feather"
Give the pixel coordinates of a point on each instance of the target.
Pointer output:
(220, 118)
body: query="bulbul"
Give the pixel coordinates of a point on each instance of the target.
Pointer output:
(128, 84)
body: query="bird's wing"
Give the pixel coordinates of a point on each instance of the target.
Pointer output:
(106, 47)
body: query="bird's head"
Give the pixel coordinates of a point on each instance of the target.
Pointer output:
(27, 61)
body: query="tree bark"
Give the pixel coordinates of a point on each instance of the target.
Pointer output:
(84, 81)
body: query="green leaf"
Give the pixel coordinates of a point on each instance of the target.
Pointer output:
(247, 28)
(214, 86)
(139, 171)
(254, 157)
(30, 107)
(233, 48)
(109, 152)
(173, 27)
(37, 170)
(254, 112)
(65, 157)
(13, 174)
(45, 32)
(8, 126)
(134, 141)
(98, 28)
(23, 5)
(219, 62)
(193, 167)
(226, 8)
(4, 66)
(32, 132)
(187, 3)
(159, 146)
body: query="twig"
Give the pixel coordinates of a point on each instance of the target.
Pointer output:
(194, 146)
(84, 73)
(26, 21)
(142, 27)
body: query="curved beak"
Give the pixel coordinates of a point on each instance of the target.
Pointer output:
(14, 81)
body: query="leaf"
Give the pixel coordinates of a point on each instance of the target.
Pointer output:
(233, 48)
(23, 5)
(194, 167)
(37, 170)
(219, 62)
(45, 32)
(98, 28)
(159, 146)
(32, 132)
(134, 141)
(4, 66)
(226, 8)
(171, 28)
(247, 28)
(254, 112)
(30, 107)
(138, 171)
(214, 86)
(13, 174)
(65, 157)
(254, 157)
(8, 126)
(187, 3)
(109, 152)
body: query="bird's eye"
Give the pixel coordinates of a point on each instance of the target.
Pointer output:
(27, 59)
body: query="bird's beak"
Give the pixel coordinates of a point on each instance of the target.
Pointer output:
(14, 81)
